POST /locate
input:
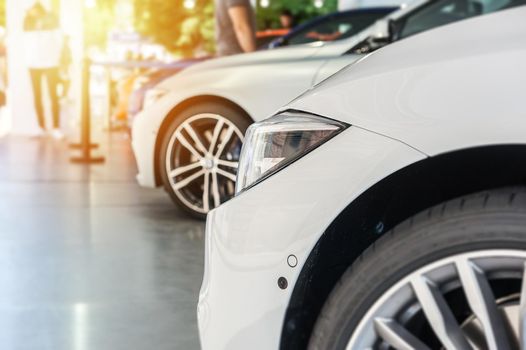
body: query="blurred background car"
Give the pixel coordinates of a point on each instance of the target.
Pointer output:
(335, 26)
(123, 90)
(385, 208)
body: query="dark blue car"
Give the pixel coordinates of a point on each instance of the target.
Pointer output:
(334, 26)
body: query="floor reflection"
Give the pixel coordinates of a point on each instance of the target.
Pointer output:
(88, 260)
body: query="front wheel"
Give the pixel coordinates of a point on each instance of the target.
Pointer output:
(200, 156)
(452, 277)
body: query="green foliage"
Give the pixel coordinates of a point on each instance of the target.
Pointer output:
(2, 13)
(181, 30)
(301, 9)
(100, 21)
(197, 32)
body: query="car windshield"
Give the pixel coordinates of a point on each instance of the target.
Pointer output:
(442, 12)
(336, 27)
(432, 14)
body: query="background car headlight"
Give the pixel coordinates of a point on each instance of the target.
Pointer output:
(274, 143)
(151, 96)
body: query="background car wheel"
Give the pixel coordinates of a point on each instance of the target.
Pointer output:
(200, 155)
(451, 277)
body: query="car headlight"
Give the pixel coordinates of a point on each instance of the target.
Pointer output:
(273, 144)
(151, 96)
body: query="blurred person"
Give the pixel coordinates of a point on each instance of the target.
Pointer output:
(235, 27)
(66, 59)
(3, 67)
(286, 18)
(43, 48)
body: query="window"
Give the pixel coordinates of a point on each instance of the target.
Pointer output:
(448, 11)
(335, 28)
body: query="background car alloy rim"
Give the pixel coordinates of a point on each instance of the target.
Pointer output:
(474, 300)
(202, 161)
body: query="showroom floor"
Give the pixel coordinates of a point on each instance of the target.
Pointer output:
(89, 260)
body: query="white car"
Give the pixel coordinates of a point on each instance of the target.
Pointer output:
(190, 136)
(384, 209)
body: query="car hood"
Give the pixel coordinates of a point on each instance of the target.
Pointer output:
(255, 58)
(440, 82)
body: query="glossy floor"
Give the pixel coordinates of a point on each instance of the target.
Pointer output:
(88, 260)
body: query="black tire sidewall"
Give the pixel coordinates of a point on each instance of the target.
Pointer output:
(412, 245)
(235, 115)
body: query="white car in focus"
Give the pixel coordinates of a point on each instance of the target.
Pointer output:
(384, 209)
(189, 137)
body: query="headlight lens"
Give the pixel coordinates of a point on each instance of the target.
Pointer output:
(152, 96)
(274, 143)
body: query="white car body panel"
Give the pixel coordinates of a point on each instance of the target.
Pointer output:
(394, 125)
(240, 301)
(251, 81)
(426, 111)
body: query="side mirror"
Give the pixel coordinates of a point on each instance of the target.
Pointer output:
(378, 36)
(381, 32)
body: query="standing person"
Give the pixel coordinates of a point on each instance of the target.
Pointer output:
(43, 48)
(235, 27)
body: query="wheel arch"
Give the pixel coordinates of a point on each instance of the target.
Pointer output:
(381, 207)
(177, 110)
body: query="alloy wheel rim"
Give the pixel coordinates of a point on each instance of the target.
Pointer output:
(202, 161)
(473, 300)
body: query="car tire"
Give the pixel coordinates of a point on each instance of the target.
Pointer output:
(367, 304)
(186, 154)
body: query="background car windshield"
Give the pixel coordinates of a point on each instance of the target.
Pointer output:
(449, 11)
(335, 28)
